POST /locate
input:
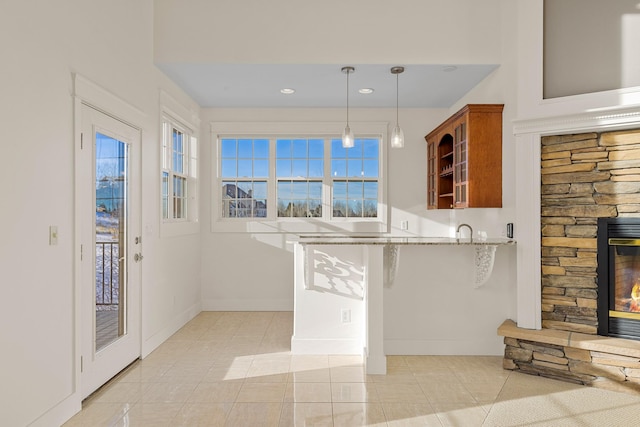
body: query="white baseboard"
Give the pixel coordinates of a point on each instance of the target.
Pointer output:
(174, 325)
(325, 346)
(60, 413)
(476, 347)
(247, 304)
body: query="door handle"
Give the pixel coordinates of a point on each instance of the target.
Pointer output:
(137, 257)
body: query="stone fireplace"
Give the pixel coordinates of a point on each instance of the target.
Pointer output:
(586, 179)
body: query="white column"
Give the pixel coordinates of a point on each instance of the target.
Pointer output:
(375, 358)
(527, 228)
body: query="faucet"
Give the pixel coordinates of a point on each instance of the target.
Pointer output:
(470, 232)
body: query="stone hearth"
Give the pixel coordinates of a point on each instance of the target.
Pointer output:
(583, 177)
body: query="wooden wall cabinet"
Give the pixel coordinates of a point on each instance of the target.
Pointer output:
(464, 159)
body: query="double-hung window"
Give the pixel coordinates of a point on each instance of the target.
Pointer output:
(179, 172)
(288, 179)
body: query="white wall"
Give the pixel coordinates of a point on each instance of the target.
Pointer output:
(42, 44)
(330, 31)
(590, 46)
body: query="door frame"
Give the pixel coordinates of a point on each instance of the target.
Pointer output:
(86, 92)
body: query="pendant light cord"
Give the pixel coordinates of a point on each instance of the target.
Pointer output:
(348, 72)
(397, 102)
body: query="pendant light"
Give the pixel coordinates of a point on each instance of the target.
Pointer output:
(347, 135)
(397, 136)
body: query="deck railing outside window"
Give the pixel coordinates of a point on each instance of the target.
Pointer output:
(107, 275)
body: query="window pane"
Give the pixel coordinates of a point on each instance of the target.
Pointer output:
(316, 168)
(371, 148)
(299, 168)
(370, 168)
(354, 167)
(355, 189)
(283, 148)
(300, 189)
(339, 190)
(316, 148)
(228, 148)
(339, 168)
(245, 168)
(337, 151)
(165, 195)
(229, 189)
(315, 208)
(284, 208)
(283, 168)
(339, 208)
(261, 168)
(370, 209)
(284, 189)
(179, 196)
(300, 148)
(229, 168)
(260, 190)
(355, 208)
(245, 190)
(245, 149)
(260, 208)
(371, 190)
(315, 190)
(356, 151)
(261, 148)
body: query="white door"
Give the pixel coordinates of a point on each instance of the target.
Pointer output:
(108, 198)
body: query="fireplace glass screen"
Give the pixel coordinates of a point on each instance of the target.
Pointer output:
(618, 276)
(626, 266)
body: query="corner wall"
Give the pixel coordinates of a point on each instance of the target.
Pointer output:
(43, 43)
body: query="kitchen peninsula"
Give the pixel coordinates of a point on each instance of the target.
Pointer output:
(339, 286)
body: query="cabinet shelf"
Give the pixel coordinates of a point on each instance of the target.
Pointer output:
(449, 154)
(446, 171)
(446, 195)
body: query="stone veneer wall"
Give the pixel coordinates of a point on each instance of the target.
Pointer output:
(584, 177)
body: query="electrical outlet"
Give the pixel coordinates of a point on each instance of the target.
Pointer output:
(345, 315)
(404, 225)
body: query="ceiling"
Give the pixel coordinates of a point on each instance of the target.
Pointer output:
(324, 86)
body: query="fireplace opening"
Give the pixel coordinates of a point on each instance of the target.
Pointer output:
(619, 277)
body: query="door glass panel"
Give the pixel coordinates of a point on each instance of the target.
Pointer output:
(110, 230)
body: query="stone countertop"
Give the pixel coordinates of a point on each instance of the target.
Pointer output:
(396, 240)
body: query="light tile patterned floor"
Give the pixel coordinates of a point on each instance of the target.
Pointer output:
(235, 369)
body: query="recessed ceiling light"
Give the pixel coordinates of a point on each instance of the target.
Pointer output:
(287, 91)
(449, 68)
(365, 90)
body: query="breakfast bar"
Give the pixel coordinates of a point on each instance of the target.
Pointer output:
(354, 270)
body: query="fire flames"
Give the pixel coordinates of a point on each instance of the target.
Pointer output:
(634, 305)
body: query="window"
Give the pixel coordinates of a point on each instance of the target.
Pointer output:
(298, 180)
(354, 172)
(179, 168)
(299, 172)
(245, 169)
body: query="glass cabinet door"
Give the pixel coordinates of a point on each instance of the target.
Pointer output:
(460, 166)
(431, 175)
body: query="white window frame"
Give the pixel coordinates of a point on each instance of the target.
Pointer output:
(297, 225)
(175, 115)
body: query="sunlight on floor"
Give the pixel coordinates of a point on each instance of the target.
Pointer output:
(235, 369)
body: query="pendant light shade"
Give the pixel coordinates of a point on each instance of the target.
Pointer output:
(347, 135)
(397, 136)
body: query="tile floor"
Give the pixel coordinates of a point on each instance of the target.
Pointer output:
(235, 369)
